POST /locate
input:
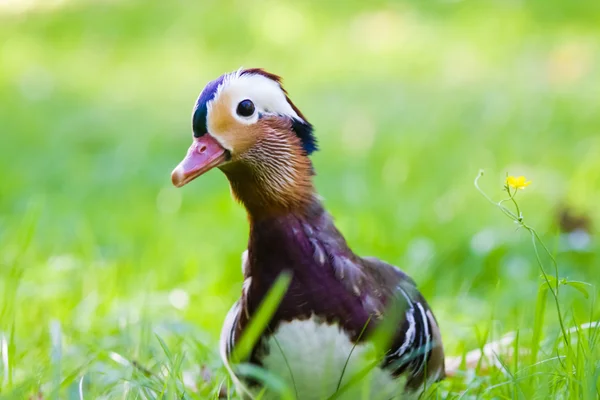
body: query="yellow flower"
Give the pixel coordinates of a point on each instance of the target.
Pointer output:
(518, 182)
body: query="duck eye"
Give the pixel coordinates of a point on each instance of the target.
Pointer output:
(245, 108)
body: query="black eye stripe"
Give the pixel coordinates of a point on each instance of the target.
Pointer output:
(245, 108)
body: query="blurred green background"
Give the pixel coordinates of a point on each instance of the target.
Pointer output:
(99, 253)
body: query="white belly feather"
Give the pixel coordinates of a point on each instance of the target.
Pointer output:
(309, 357)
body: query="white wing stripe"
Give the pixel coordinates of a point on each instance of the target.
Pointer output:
(424, 350)
(410, 333)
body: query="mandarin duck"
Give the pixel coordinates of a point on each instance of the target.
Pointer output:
(318, 338)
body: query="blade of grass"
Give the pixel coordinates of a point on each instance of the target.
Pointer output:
(287, 364)
(56, 356)
(267, 380)
(350, 354)
(260, 320)
(538, 323)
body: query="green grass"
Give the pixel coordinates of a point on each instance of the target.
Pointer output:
(115, 284)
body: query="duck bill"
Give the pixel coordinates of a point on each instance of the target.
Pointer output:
(204, 154)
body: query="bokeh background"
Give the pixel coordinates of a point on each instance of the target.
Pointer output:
(100, 256)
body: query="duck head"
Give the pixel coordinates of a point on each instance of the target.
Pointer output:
(245, 124)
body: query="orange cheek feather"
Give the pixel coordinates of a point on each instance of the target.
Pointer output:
(228, 130)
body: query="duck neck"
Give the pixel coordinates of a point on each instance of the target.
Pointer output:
(285, 240)
(273, 179)
(303, 241)
(289, 228)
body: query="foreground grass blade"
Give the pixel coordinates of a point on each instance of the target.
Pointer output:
(261, 318)
(268, 381)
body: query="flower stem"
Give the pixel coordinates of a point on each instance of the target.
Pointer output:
(518, 218)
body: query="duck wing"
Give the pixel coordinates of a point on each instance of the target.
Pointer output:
(416, 350)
